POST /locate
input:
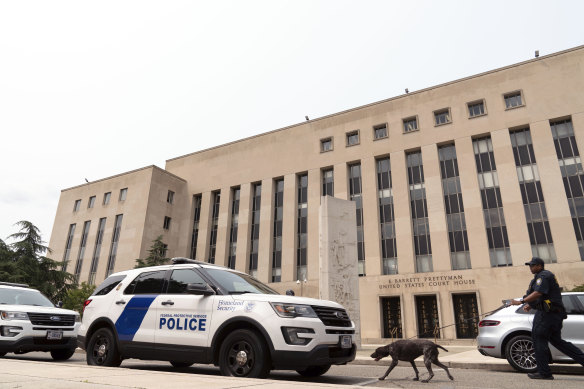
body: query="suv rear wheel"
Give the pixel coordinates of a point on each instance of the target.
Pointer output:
(102, 349)
(244, 354)
(521, 354)
(62, 354)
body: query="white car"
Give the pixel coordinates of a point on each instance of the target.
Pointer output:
(507, 333)
(30, 322)
(194, 312)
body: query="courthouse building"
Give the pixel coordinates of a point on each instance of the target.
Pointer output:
(455, 186)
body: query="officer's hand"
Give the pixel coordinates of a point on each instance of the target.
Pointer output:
(515, 302)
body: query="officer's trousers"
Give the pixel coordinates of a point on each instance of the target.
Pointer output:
(547, 327)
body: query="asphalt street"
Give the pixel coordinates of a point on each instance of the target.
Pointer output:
(351, 375)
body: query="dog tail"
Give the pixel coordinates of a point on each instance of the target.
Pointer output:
(441, 347)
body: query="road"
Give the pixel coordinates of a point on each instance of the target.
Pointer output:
(362, 375)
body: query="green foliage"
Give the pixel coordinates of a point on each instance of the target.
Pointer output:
(76, 297)
(156, 255)
(579, 288)
(23, 262)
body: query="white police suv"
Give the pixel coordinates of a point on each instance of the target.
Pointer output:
(30, 322)
(195, 312)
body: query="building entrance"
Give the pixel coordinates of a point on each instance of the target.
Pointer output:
(391, 312)
(427, 312)
(466, 315)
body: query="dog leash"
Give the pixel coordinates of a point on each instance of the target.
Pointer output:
(463, 320)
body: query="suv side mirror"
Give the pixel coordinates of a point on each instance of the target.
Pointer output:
(198, 288)
(59, 304)
(289, 292)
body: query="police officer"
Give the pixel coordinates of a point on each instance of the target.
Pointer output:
(544, 295)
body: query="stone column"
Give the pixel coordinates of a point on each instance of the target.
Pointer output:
(339, 272)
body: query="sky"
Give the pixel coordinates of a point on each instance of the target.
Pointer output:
(93, 89)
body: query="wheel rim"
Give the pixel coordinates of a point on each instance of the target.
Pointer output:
(522, 353)
(101, 349)
(241, 358)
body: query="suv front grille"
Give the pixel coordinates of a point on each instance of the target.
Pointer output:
(51, 319)
(332, 316)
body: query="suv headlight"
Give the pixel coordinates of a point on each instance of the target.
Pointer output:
(293, 310)
(8, 315)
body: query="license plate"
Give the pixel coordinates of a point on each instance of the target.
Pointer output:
(54, 335)
(346, 341)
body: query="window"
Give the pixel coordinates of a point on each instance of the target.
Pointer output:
(255, 228)
(68, 246)
(235, 194)
(352, 138)
(180, 278)
(513, 100)
(123, 194)
(355, 195)
(77, 205)
(410, 124)
(380, 131)
(196, 218)
(386, 217)
(147, 283)
(111, 261)
(214, 225)
(326, 145)
(91, 202)
(106, 198)
(328, 183)
(302, 229)
(476, 108)
(277, 233)
(96, 250)
(170, 197)
(166, 225)
(442, 116)
(81, 253)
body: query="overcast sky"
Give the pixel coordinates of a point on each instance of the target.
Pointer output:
(93, 89)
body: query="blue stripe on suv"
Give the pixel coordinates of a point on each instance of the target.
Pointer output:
(131, 318)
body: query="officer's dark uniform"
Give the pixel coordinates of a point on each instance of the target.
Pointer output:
(547, 323)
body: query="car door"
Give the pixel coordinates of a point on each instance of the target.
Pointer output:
(135, 314)
(573, 326)
(183, 319)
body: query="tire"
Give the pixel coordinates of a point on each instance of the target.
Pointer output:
(102, 349)
(62, 354)
(521, 354)
(2, 354)
(244, 353)
(181, 364)
(314, 371)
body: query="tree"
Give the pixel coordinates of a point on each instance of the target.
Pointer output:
(579, 288)
(8, 268)
(27, 264)
(156, 255)
(75, 298)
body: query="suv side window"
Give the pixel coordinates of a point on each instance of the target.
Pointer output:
(570, 305)
(181, 278)
(580, 298)
(147, 283)
(107, 285)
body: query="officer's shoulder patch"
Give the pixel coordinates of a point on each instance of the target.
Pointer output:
(538, 282)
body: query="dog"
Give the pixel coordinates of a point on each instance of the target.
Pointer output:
(408, 350)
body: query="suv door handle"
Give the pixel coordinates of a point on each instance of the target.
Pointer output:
(168, 302)
(120, 302)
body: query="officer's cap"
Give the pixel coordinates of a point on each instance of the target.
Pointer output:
(535, 261)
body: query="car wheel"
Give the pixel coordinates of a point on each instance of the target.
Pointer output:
(244, 354)
(521, 354)
(314, 371)
(102, 349)
(181, 364)
(62, 354)
(2, 354)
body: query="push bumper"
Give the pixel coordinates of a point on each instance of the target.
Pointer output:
(28, 344)
(319, 356)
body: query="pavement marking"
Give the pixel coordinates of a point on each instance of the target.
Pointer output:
(371, 381)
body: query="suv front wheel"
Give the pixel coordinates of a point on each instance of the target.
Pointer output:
(102, 349)
(521, 354)
(244, 354)
(62, 354)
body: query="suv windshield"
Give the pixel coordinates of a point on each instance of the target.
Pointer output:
(238, 283)
(23, 297)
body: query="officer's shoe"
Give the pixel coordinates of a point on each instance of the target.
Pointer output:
(537, 376)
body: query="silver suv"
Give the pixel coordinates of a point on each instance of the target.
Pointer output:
(30, 322)
(507, 333)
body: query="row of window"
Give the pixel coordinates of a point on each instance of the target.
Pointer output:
(494, 219)
(441, 116)
(107, 197)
